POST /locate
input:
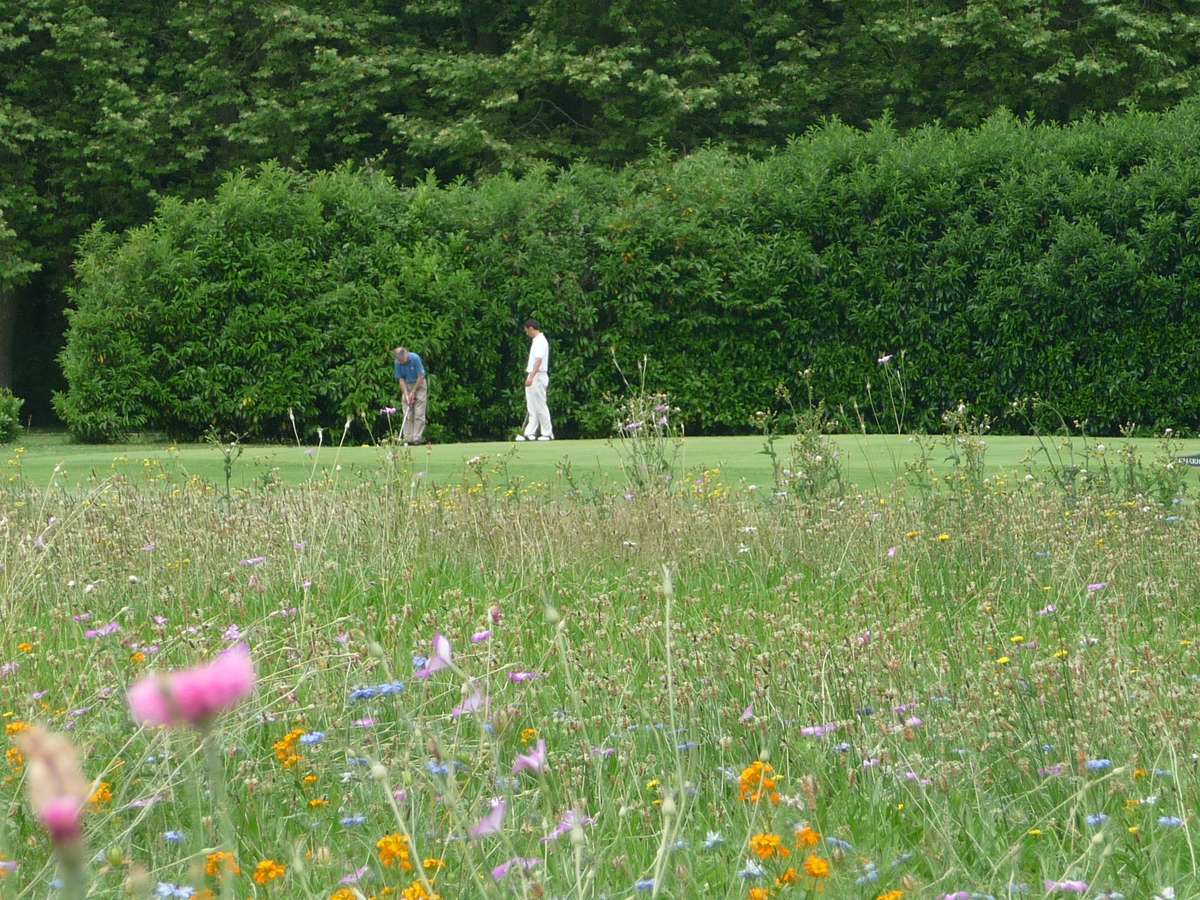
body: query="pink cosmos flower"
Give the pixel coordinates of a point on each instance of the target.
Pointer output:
(62, 818)
(534, 762)
(490, 824)
(440, 659)
(194, 696)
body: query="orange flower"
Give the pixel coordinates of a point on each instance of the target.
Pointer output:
(268, 870)
(285, 748)
(756, 782)
(416, 891)
(787, 878)
(15, 728)
(15, 758)
(758, 893)
(393, 851)
(221, 860)
(101, 796)
(764, 846)
(317, 802)
(343, 894)
(816, 867)
(137, 657)
(807, 837)
(890, 895)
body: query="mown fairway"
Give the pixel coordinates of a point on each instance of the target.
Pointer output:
(979, 688)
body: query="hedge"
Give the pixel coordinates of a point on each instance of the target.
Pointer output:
(1006, 261)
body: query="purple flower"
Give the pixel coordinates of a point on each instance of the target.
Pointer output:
(440, 659)
(473, 703)
(232, 633)
(254, 561)
(517, 862)
(534, 762)
(490, 824)
(747, 714)
(355, 876)
(103, 631)
(480, 636)
(522, 677)
(1066, 887)
(1097, 586)
(818, 730)
(569, 820)
(387, 410)
(1048, 610)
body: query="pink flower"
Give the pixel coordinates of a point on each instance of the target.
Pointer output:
(194, 696)
(1098, 586)
(747, 714)
(480, 636)
(1066, 887)
(490, 824)
(354, 877)
(569, 820)
(516, 862)
(522, 677)
(440, 659)
(818, 730)
(891, 554)
(62, 818)
(473, 703)
(534, 762)
(496, 615)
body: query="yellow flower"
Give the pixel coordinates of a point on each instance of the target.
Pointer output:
(101, 796)
(137, 657)
(652, 784)
(317, 802)
(1003, 661)
(758, 893)
(221, 861)
(816, 867)
(1034, 832)
(913, 535)
(944, 536)
(890, 895)
(1061, 654)
(343, 894)
(1133, 829)
(15, 758)
(416, 891)
(788, 877)
(310, 778)
(1140, 773)
(25, 647)
(432, 864)
(1017, 639)
(15, 728)
(268, 870)
(528, 735)
(807, 837)
(765, 845)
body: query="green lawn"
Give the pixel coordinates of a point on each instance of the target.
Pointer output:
(874, 461)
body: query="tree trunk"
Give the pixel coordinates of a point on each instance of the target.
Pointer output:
(8, 321)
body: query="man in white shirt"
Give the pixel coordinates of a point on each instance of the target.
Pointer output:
(537, 378)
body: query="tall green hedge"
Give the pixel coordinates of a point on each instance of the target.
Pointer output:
(1005, 261)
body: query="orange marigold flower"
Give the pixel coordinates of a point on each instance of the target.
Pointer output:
(221, 861)
(15, 758)
(528, 735)
(343, 894)
(15, 728)
(807, 837)
(816, 867)
(788, 877)
(432, 864)
(890, 895)
(393, 851)
(765, 845)
(758, 893)
(268, 870)
(317, 802)
(25, 647)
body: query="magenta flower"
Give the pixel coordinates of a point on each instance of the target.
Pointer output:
(1066, 887)
(254, 561)
(490, 824)
(517, 862)
(891, 554)
(388, 410)
(1097, 586)
(103, 631)
(440, 659)
(62, 818)
(496, 615)
(569, 820)
(194, 696)
(818, 730)
(522, 677)
(354, 877)
(480, 636)
(534, 762)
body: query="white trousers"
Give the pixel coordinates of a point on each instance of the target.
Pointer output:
(535, 403)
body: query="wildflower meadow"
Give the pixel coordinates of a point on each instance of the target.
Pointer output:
(980, 688)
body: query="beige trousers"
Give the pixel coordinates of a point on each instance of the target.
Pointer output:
(413, 431)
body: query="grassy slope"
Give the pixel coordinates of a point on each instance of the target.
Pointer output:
(873, 461)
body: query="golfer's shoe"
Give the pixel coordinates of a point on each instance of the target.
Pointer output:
(546, 437)
(520, 437)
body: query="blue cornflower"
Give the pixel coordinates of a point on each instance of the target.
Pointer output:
(1096, 819)
(436, 768)
(313, 737)
(419, 662)
(838, 843)
(646, 884)
(1170, 821)
(687, 745)
(843, 747)
(173, 837)
(351, 821)
(359, 761)
(1047, 748)
(364, 693)
(1098, 765)
(713, 840)
(680, 844)
(752, 870)
(173, 890)
(392, 687)
(870, 874)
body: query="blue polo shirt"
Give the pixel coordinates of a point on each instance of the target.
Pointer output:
(411, 370)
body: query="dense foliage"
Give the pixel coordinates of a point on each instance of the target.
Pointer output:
(106, 106)
(1004, 262)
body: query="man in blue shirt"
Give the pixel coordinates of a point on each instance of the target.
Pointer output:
(410, 372)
